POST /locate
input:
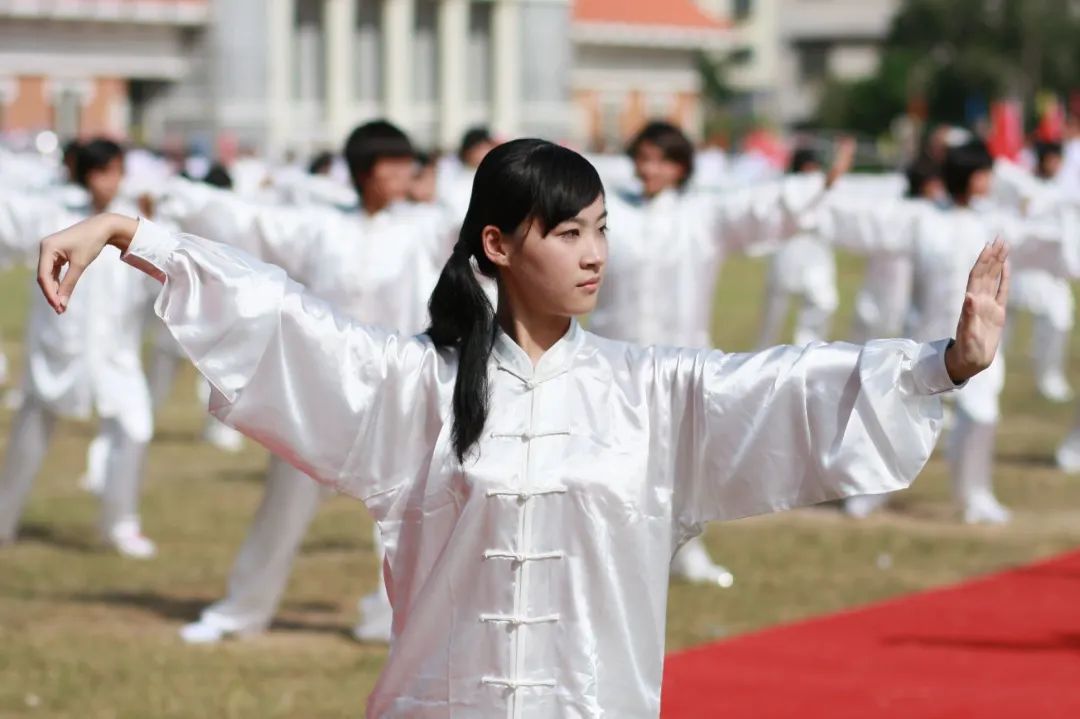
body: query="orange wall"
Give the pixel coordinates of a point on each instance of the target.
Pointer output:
(32, 108)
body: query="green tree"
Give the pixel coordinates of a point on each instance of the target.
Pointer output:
(946, 53)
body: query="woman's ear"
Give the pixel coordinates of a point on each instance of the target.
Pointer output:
(496, 245)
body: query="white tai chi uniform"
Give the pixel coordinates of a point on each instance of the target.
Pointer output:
(884, 297)
(943, 245)
(531, 581)
(379, 268)
(85, 360)
(1045, 295)
(663, 265)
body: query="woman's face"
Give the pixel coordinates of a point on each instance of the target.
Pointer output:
(558, 273)
(656, 172)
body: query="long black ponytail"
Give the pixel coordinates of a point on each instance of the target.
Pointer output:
(519, 181)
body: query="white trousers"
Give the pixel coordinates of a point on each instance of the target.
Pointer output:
(261, 571)
(806, 269)
(31, 432)
(1050, 302)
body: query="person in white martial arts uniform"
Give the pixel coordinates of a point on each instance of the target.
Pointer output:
(532, 479)
(378, 264)
(84, 361)
(884, 298)
(803, 267)
(31, 174)
(942, 243)
(667, 246)
(1046, 296)
(454, 184)
(423, 188)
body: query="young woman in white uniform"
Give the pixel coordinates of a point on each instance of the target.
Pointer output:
(532, 480)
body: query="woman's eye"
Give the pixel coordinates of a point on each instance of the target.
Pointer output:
(603, 230)
(570, 234)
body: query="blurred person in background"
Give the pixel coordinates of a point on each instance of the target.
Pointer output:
(804, 267)
(378, 264)
(85, 361)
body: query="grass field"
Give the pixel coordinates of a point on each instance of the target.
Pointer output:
(84, 633)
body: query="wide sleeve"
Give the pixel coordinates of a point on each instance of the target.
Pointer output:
(868, 226)
(1048, 241)
(353, 406)
(23, 222)
(794, 426)
(749, 218)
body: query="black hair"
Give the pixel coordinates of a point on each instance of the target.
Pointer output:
(673, 143)
(218, 176)
(320, 164)
(95, 155)
(961, 163)
(473, 136)
(802, 158)
(1044, 151)
(371, 142)
(517, 182)
(919, 173)
(426, 159)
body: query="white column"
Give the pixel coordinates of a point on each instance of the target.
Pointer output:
(397, 26)
(506, 44)
(453, 88)
(339, 19)
(279, 55)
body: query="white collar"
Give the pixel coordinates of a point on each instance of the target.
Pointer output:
(510, 357)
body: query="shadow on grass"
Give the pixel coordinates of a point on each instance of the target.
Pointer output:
(187, 609)
(46, 534)
(1066, 642)
(1044, 460)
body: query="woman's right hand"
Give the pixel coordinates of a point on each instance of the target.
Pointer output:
(75, 248)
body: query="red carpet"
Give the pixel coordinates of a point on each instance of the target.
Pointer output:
(1003, 646)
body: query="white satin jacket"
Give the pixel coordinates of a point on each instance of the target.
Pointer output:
(531, 581)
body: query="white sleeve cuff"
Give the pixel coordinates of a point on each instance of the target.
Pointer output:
(929, 373)
(150, 249)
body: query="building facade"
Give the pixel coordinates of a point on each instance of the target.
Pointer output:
(281, 75)
(85, 67)
(794, 46)
(636, 60)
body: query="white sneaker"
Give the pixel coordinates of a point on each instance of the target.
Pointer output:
(204, 632)
(863, 506)
(1055, 388)
(377, 619)
(1068, 459)
(223, 437)
(693, 564)
(127, 539)
(986, 510)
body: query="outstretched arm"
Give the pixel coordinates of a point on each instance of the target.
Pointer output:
(793, 426)
(327, 394)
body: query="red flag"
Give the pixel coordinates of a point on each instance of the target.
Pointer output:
(1006, 129)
